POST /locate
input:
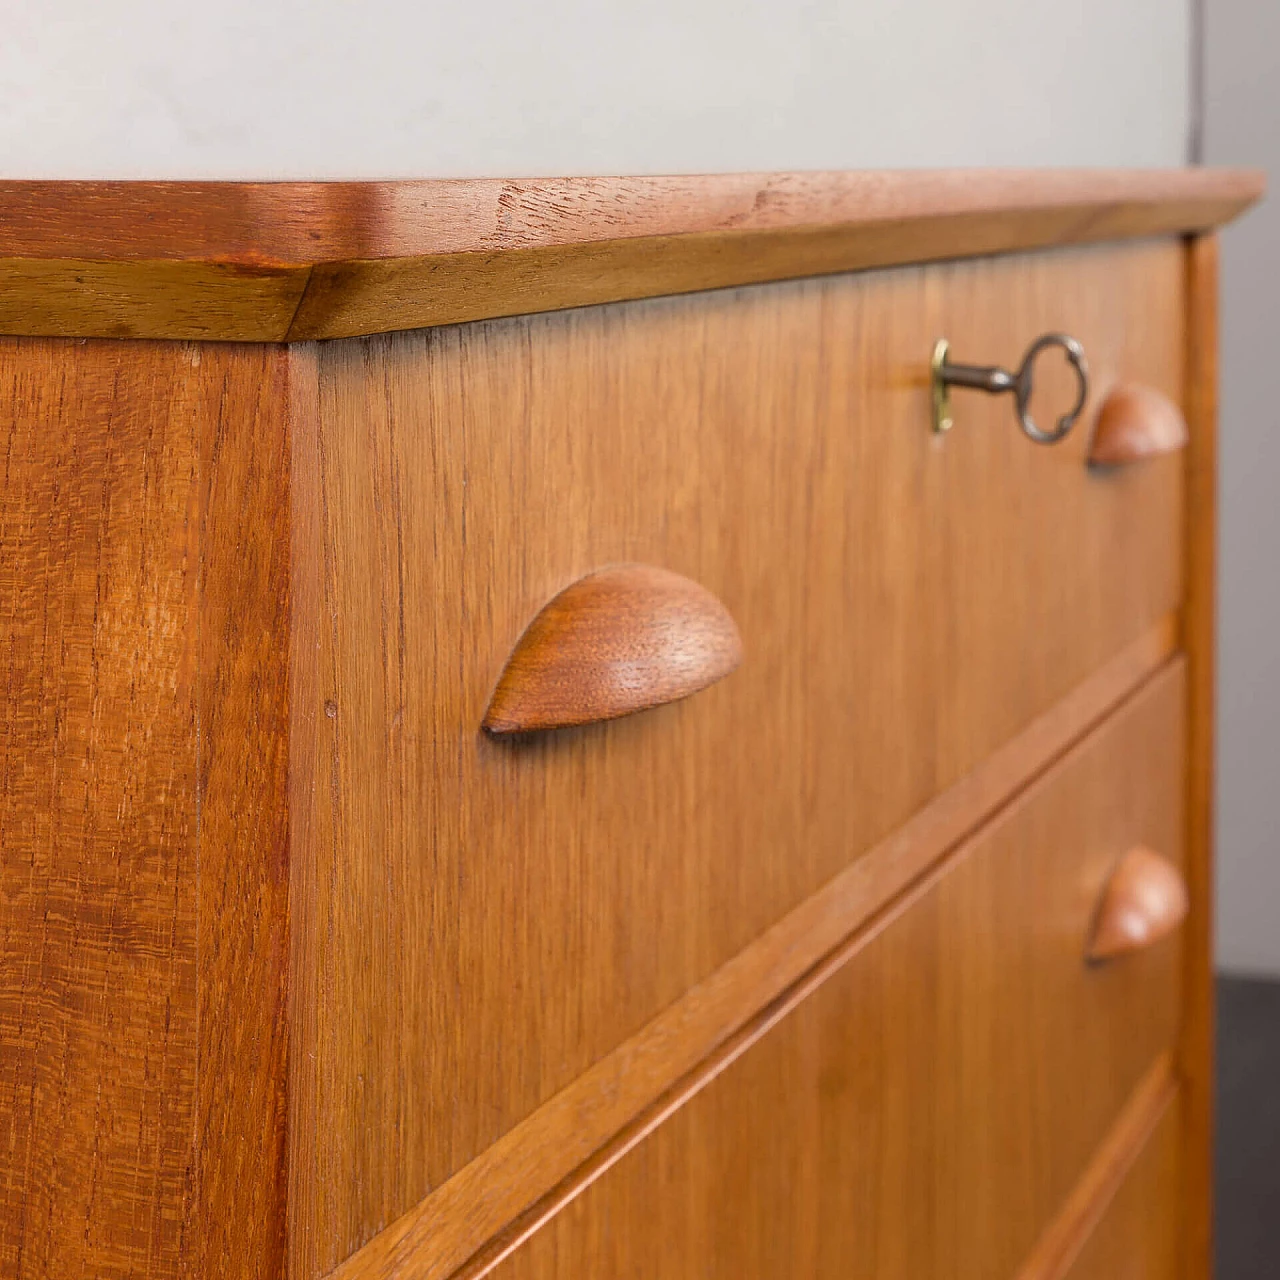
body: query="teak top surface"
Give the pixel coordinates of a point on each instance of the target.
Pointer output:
(297, 260)
(281, 224)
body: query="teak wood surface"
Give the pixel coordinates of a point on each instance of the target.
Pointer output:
(143, 744)
(301, 974)
(1199, 631)
(1105, 1178)
(926, 1111)
(270, 262)
(1089, 1201)
(1136, 422)
(622, 639)
(1141, 1233)
(1145, 900)
(524, 1178)
(766, 444)
(98, 763)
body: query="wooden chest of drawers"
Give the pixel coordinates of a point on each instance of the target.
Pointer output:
(884, 954)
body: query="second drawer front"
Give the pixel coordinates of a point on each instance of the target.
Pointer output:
(928, 1110)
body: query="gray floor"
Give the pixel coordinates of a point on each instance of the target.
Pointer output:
(1248, 1128)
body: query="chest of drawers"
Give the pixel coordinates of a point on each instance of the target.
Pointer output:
(526, 753)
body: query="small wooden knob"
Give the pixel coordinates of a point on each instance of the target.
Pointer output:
(622, 639)
(1145, 900)
(1136, 422)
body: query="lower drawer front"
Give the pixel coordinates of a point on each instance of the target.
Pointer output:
(1137, 1237)
(927, 1111)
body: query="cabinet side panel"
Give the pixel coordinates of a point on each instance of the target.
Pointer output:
(1196, 1055)
(238, 1214)
(98, 902)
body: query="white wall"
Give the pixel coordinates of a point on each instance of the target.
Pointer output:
(1242, 126)
(279, 88)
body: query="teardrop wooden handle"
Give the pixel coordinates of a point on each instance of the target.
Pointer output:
(622, 639)
(1136, 422)
(1145, 900)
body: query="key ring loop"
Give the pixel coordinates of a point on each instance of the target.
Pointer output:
(995, 381)
(1022, 387)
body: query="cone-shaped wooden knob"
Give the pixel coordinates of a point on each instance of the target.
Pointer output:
(1136, 422)
(1145, 899)
(619, 640)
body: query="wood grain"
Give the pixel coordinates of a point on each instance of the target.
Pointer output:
(1135, 422)
(237, 1216)
(271, 224)
(928, 1108)
(127, 299)
(1140, 1235)
(98, 903)
(266, 261)
(293, 959)
(405, 293)
(1074, 1242)
(765, 443)
(525, 1177)
(1145, 900)
(1195, 1057)
(619, 640)
(143, 754)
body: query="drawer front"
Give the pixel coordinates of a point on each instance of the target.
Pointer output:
(928, 1110)
(1138, 1237)
(480, 920)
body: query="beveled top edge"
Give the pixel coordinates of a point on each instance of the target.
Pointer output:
(303, 224)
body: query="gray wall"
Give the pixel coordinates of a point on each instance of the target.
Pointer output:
(1242, 126)
(337, 88)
